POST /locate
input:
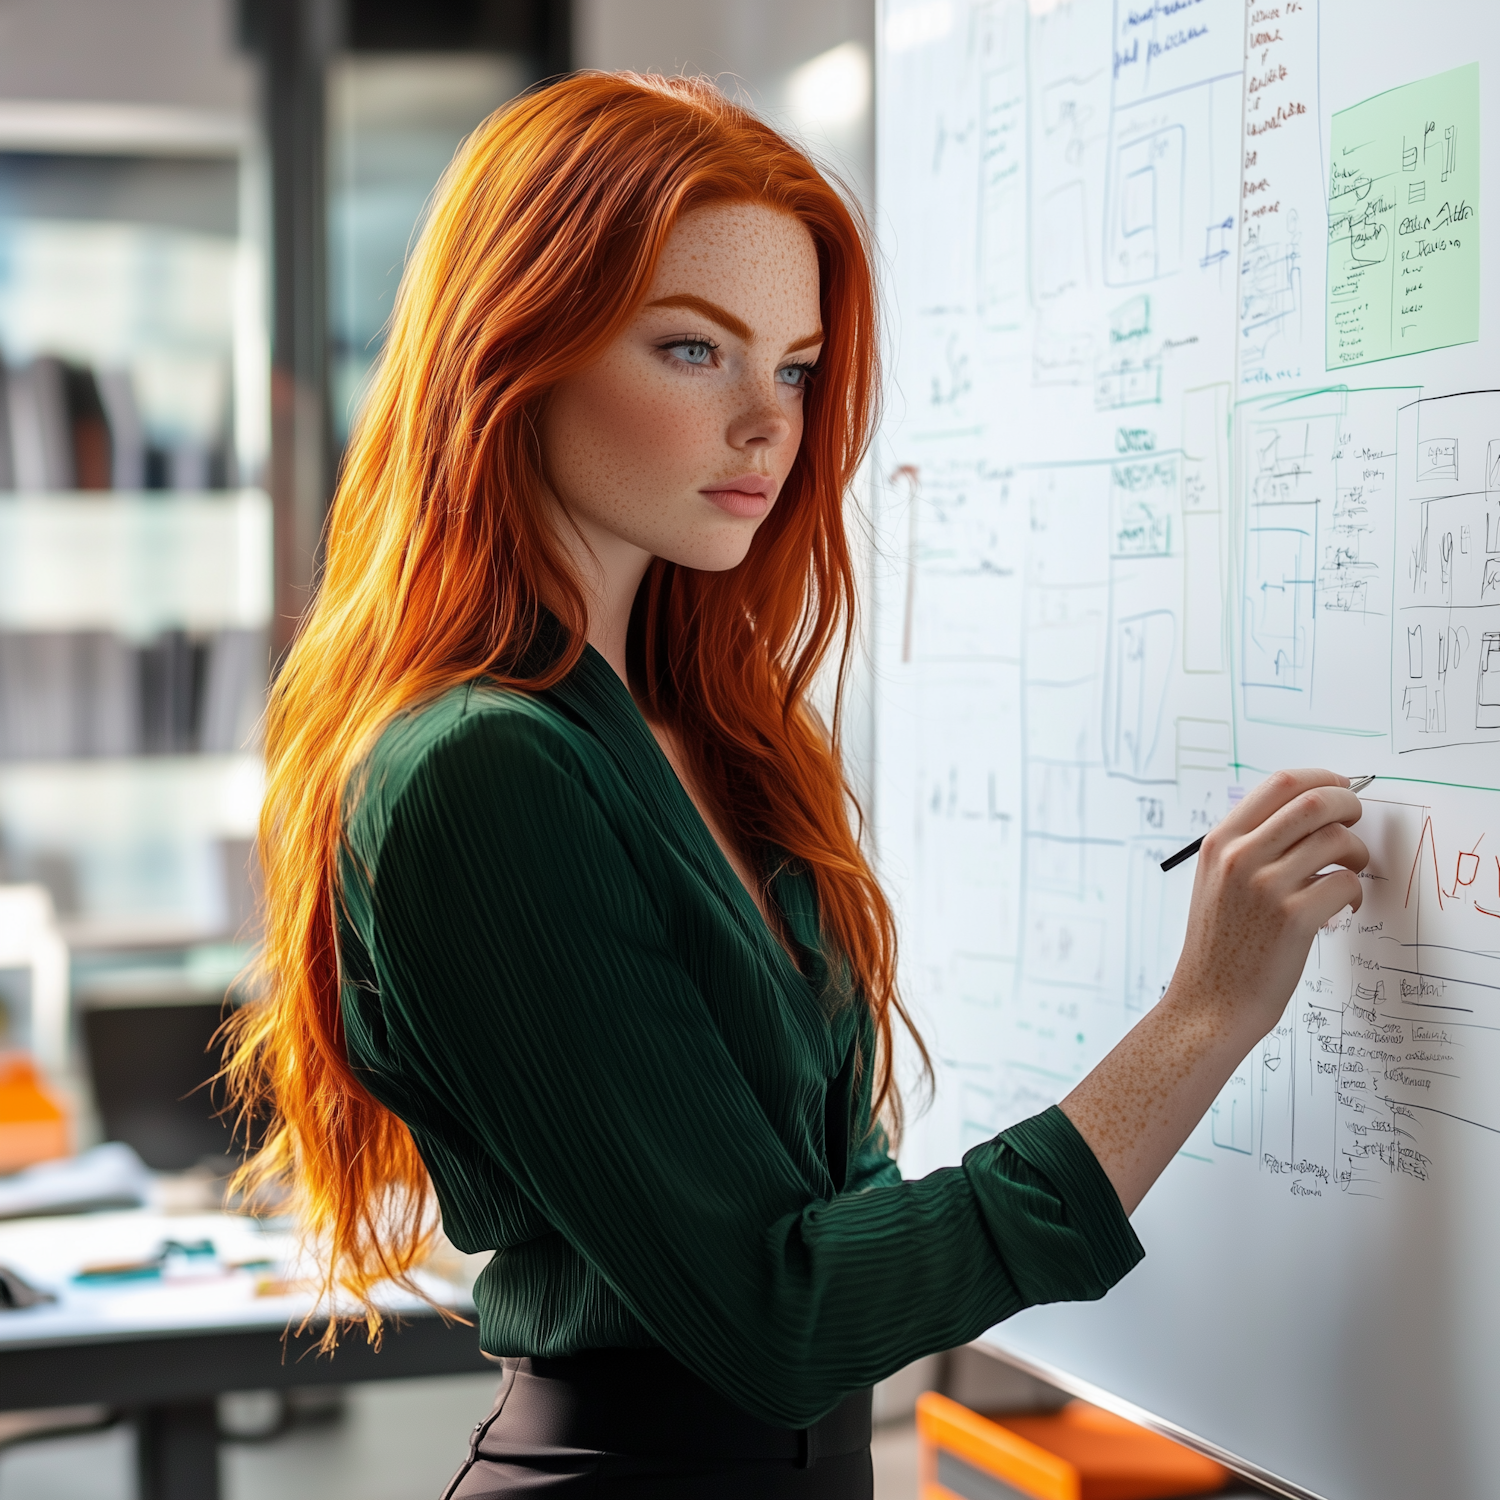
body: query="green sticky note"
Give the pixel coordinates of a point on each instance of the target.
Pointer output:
(1403, 221)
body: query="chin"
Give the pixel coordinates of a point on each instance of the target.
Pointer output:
(717, 553)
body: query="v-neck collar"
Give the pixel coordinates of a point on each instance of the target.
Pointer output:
(593, 694)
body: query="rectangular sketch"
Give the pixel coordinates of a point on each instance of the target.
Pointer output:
(1203, 745)
(1136, 741)
(1437, 458)
(1488, 713)
(1068, 139)
(1445, 686)
(1145, 212)
(963, 584)
(1127, 382)
(1177, 78)
(1155, 922)
(1143, 501)
(1317, 477)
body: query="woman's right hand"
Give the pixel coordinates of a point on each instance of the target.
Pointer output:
(1276, 869)
(1259, 899)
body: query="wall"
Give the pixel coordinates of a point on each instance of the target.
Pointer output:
(165, 52)
(755, 47)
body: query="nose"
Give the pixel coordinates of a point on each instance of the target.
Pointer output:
(761, 421)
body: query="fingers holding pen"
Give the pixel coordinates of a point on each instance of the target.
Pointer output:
(1278, 791)
(1310, 811)
(1316, 861)
(1313, 832)
(1297, 807)
(1290, 849)
(1268, 877)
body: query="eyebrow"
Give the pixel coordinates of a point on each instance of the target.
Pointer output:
(727, 320)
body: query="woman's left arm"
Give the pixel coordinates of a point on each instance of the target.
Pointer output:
(1282, 864)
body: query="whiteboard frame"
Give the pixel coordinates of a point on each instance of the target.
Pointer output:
(1098, 1396)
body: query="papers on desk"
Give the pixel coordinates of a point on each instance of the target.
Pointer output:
(96, 1264)
(174, 1272)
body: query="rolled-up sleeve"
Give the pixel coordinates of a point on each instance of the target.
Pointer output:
(1054, 1216)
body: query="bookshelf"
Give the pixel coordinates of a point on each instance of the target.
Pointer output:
(135, 563)
(135, 535)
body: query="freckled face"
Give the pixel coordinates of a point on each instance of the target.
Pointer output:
(679, 438)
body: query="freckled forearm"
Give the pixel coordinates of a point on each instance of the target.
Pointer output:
(1139, 1105)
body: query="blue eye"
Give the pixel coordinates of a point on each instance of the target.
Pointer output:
(794, 375)
(693, 352)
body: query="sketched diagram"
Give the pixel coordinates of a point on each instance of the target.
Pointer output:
(1156, 912)
(1143, 650)
(1317, 481)
(1445, 670)
(1270, 294)
(1283, 489)
(1487, 714)
(1066, 131)
(962, 589)
(1144, 217)
(1129, 376)
(1002, 183)
(950, 376)
(1231, 1117)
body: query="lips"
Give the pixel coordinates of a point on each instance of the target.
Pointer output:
(748, 495)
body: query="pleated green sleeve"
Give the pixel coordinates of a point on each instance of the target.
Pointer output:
(531, 975)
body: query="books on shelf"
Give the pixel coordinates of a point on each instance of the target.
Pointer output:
(65, 426)
(7, 453)
(127, 435)
(41, 437)
(66, 694)
(234, 691)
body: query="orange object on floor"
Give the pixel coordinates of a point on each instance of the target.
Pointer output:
(1079, 1453)
(33, 1126)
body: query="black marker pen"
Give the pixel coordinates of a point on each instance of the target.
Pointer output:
(1357, 785)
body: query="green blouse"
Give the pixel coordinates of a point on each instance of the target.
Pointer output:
(623, 1087)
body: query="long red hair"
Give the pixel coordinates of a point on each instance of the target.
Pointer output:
(542, 241)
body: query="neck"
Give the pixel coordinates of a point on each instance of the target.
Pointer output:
(609, 571)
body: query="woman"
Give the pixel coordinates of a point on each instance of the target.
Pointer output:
(567, 926)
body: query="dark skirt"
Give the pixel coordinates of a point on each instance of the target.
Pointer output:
(615, 1423)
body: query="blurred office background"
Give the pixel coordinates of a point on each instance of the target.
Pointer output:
(205, 207)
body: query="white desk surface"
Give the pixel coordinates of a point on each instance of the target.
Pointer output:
(258, 1281)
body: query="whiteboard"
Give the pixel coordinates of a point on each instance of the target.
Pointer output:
(1191, 469)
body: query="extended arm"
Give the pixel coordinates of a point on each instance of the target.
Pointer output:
(1258, 901)
(545, 1003)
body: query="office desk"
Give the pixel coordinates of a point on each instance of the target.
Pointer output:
(165, 1350)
